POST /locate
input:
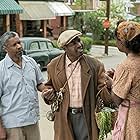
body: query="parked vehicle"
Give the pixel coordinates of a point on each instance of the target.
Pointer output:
(42, 50)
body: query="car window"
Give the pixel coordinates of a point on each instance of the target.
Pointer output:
(50, 45)
(34, 46)
(43, 45)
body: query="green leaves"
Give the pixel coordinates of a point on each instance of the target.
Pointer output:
(104, 122)
(93, 24)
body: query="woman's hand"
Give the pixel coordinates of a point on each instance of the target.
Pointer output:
(108, 82)
(110, 72)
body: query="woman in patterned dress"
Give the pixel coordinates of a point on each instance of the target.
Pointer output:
(126, 82)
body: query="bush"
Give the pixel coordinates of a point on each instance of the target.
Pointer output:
(112, 43)
(102, 42)
(55, 43)
(88, 42)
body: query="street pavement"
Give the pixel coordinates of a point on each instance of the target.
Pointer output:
(110, 61)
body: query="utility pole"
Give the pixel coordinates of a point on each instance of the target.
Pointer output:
(107, 29)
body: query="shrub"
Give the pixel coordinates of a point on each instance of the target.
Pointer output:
(102, 42)
(87, 41)
(55, 43)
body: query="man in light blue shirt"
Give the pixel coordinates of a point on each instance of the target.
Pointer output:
(19, 81)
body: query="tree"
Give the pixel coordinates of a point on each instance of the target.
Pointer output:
(93, 20)
(93, 24)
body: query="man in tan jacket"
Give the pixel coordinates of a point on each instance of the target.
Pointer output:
(81, 77)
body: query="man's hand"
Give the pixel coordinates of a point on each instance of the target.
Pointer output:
(48, 94)
(2, 133)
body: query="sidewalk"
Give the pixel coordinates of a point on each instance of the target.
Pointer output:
(98, 51)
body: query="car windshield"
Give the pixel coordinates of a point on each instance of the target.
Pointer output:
(34, 46)
(43, 45)
(46, 45)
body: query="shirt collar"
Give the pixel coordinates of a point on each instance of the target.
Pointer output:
(10, 62)
(68, 62)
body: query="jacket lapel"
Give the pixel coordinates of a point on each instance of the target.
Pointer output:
(85, 76)
(60, 71)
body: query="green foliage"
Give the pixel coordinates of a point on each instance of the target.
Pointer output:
(137, 19)
(117, 11)
(104, 121)
(102, 42)
(87, 41)
(55, 43)
(78, 21)
(112, 43)
(93, 20)
(94, 24)
(81, 3)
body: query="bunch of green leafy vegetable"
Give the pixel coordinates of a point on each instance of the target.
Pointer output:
(104, 121)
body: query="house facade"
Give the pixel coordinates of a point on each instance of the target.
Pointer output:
(38, 16)
(9, 15)
(42, 18)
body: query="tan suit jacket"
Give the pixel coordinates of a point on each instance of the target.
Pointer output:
(92, 80)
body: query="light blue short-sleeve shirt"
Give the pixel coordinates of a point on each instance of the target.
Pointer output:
(18, 92)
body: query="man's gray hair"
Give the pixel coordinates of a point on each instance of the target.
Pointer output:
(6, 36)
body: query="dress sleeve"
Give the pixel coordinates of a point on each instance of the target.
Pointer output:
(1, 91)
(122, 81)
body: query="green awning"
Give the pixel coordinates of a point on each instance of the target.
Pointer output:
(10, 7)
